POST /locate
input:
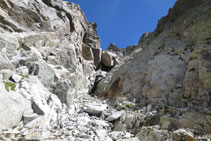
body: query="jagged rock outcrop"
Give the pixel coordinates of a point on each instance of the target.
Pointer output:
(110, 58)
(48, 42)
(169, 69)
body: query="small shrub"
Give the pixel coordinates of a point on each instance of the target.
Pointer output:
(9, 86)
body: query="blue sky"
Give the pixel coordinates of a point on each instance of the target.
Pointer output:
(122, 22)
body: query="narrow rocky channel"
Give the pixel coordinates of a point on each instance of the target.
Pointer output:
(88, 118)
(56, 82)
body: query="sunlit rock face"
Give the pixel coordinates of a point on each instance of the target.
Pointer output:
(50, 40)
(170, 68)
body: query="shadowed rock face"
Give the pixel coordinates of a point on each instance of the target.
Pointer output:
(173, 67)
(115, 87)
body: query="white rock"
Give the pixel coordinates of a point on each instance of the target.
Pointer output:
(120, 127)
(16, 78)
(102, 134)
(82, 121)
(23, 70)
(51, 59)
(27, 118)
(129, 119)
(33, 136)
(6, 74)
(101, 123)
(119, 135)
(115, 116)
(95, 109)
(12, 107)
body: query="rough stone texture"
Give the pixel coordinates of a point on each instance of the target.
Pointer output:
(97, 55)
(41, 42)
(169, 68)
(115, 116)
(5, 63)
(182, 134)
(87, 53)
(107, 59)
(162, 75)
(153, 133)
(50, 32)
(94, 109)
(74, 125)
(8, 44)
(12, 108)
(93, 41)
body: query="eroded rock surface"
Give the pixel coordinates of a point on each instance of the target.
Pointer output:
(169, 69)
(42, 57)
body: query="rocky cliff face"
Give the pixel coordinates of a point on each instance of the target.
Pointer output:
(47, 47)
(170, 73)
(51, 59)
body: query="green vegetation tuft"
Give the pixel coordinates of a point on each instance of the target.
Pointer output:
(155, 138)
(19, 48)
(127, 105)
(23, 76)
(9, 86)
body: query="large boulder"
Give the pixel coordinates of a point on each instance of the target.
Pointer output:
(39, 69)
(87, 53)
(107, 59)
(12, 107)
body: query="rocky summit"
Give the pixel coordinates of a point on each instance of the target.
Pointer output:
(56, 83)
